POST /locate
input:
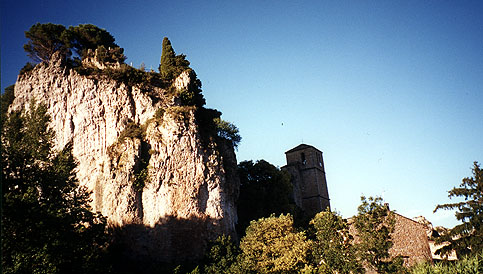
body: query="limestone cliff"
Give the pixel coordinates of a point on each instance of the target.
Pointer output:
(167, 190)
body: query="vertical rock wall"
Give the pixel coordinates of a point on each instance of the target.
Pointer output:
(190, 189)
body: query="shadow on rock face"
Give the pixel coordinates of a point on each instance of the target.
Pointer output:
(143, 249)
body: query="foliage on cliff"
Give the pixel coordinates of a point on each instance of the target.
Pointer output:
(47, 224)
(467, 237)
(46, 39)
(171, 65)
(5, 100)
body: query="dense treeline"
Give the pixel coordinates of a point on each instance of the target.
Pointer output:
(275, 245)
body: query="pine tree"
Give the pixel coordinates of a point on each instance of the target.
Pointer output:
(168, 60)
(44, 41)
(171, 64)
(467, 237)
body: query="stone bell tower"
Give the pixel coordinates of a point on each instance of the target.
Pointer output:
(306, 166)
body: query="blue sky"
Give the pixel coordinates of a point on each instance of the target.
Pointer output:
(390, 91)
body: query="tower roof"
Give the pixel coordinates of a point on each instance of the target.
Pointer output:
(301, 147)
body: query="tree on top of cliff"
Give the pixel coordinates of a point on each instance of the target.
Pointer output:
(44, 41)
(171, 64)
(84, 37)
(466, 237)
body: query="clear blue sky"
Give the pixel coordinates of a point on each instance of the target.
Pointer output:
(390, 91)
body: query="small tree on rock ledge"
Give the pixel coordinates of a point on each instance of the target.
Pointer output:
(171, 64)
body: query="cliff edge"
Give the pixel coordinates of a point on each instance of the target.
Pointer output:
(164, 185)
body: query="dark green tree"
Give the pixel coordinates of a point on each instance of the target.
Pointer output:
(171, 64)
(6, 100)
(44, 41)
(47, 225)
(222, 256)
(86, 37)
(264, 190)
(466, 237)
(228, 131)
(168, 60)
(332, 250)
(374, 224)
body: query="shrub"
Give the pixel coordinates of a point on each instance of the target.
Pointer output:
(27, 68)
(228, 131)
(132, 130)
(467, 265)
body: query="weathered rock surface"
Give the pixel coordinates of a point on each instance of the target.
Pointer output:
(190, 191)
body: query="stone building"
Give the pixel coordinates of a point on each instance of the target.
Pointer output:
(409, 241)
(306, 167)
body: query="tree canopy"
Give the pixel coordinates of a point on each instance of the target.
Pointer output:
(264, 190)
(47, 224)
(46, 39)
(374, 224)
(466, 237)
(84, 37)
(272, 245)
(332, 249)
(171, 65)
(228, 131)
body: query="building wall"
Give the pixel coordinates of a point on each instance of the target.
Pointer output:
(306, 166)
(410, 241)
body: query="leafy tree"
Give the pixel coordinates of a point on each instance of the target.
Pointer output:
(87, 36)
(222, 256)
(47, 225)
(374, 224)
(332, 250)
(44, 41)
(110, 55)
(228, 131)
(264, 190)
(271, 245)
(171, 64)
(467, 237)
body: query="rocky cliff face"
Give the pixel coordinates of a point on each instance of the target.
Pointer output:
(165, 190)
